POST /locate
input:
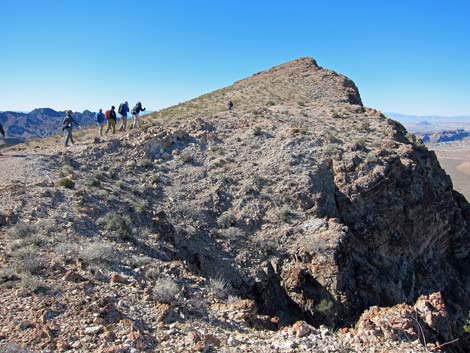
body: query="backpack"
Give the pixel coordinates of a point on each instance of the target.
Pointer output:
(106, 114)
(121, 108)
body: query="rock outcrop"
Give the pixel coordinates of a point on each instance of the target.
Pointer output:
(298, 209)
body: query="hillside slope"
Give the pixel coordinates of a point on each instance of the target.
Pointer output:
(212, 228)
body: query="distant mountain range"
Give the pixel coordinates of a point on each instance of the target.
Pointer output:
(434, 128)
(42, 122)
(425, 124)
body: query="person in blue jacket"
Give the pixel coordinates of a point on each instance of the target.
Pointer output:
(100, 121)
(123, 110)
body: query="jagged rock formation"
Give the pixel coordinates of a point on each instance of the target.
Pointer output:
(37, 123)
(307, 206)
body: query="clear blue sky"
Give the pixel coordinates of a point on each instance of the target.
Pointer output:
(405, 56)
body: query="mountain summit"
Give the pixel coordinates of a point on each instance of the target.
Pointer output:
(242, 229)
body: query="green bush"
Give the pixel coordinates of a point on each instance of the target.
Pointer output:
(121, 225)
(66, 183)
(285, 213)
(466, 327)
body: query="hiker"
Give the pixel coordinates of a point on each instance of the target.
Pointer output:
(230, 105)
(67, 127)
(123, 110)
(100, 121)
(135, 113)
(111, 117)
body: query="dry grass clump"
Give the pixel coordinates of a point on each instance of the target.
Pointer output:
(99, 254)
(27, 260)
(21, 231)
(165, 290)
(219, 287)
(227, 220)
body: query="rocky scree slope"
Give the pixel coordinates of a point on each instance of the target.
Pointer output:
(299, 206)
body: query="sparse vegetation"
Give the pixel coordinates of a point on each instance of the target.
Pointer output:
(227, 220)
(219, 287)
(466, 327)
(118, 224)
(66, 182)
(186, 157)
(21, 231)
(165, 290)
(257, 131)
(285, 214)
(324, 308)
(98, 254)
(27, 260)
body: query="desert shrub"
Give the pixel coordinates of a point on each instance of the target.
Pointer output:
(330, 149)
(466, 327)
(285, 213)
(21, 231)
(98, 254)
(324, 307)
(120, 225)
(92, 181)
(257, 131)
(218, 162)
(255, 185)
(140, 260)
(31, 282)
(232, 298)
(226, 220)
(66, 250)
(27, 260)
(371, 157)
(331, 138)
(218, 287)
(146, 163)
(25, 234)
(165, 290)
(186, 157)
(139, 206)
(270, 103)
(66, 183)
(335, 114)
(232, 233)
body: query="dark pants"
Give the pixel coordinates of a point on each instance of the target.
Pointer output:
(68, 136)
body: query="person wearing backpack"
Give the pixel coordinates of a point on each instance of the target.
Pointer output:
(67, 127)
(123, 110)
(135, 113)
(111, 117)
(230, 105)
(100, 121)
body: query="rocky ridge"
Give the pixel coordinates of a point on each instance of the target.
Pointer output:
(250, 231)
